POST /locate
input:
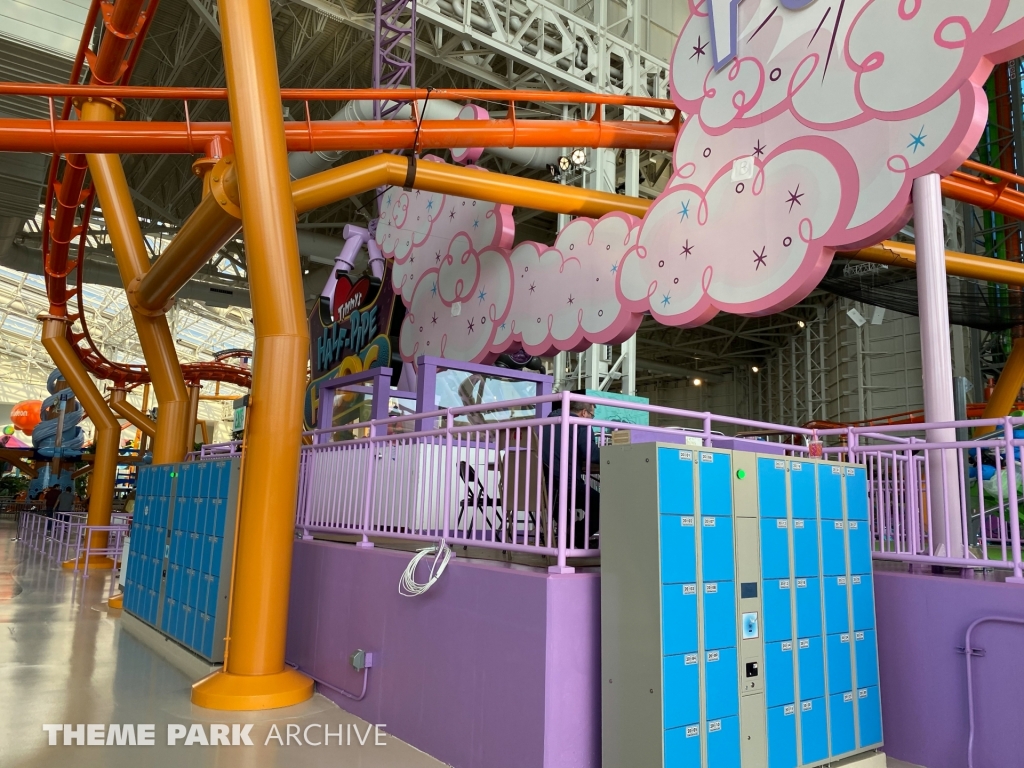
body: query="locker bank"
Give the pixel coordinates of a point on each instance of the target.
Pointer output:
(737, 612)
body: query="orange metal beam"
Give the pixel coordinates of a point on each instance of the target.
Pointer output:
(19, 459)
(960, 264)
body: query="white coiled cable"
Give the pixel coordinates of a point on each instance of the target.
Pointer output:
(408, 586)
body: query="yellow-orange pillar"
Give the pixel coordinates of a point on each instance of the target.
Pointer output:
(1007, 388)
(124, 409)
(171, 440)
(255, 675)
(108, 431)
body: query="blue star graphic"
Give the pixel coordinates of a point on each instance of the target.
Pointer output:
(503, 326)
(666, 299)
(615, 268)
(387, 201)
(476, 223)
(433, 290)
(482, 295)
(918, 140)
(430, 204)
(684, 212)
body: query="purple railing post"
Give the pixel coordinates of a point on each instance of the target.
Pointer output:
(449, 463)
(563, 486)
(1011, 476)
(707, 429)
(371, 455)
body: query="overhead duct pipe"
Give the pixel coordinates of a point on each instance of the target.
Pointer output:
(958, 264)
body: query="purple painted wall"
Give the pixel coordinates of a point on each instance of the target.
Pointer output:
(922, 621)
(494, 667)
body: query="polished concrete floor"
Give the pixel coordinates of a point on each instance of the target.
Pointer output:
(65, 659)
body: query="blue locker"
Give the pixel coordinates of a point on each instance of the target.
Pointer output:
(208, 628)
(199, 636)
(840, 706)
(775, 548)
(173, 571)
(170, 609)
(678, 619)
(803, 490)
(188, 627)
(682, 747)
(160, 544)
(186, 480)
(721, 684)
(724, 742)
(856, 493)
(805, 547)
(142, 483)
(199, 517)
(716, 548)
(218, 552)
(860, 546)
(213, 470)
(771, 487)
(143, 561)
(863, 598)
(195, 560)
(223, 478)
(719, 614)
(839, 676)
(837, 617)
(782, 737)
(675, 482)
(678, 550)
(808, 607)
(203, 594)
(153, 599)
(865, 650)
(681, 704)
(185, 586)
(194, 580)
(813, 731)
(830, 491)
(778, 673)
(811, 657)
(778, 614)
(715, 483)
(212, 585)
(833, 547)
(207, 554)
(214, 517)
(869, 712)
(202, 479)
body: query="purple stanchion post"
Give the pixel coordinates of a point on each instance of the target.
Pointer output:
(1014, 517)
(563, 487)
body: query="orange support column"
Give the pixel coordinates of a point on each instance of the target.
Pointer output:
(254, 674)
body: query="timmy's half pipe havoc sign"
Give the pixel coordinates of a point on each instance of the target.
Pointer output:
(350, 333)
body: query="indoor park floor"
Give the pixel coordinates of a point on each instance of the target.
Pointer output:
(65, 659)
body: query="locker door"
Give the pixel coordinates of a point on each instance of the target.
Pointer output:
(863, 597)
(808, 607)
(811, 654)
(830, 491)
(856, 493)
(775, 548)
(682, 747)
(860, 546)
(803, 490)
(678, 619)
(716, 548)
(719, 615)
(833, 547)
(778, 674)
(837, 617)
(782, 736)
(682, 690)
(724, 742)
(869, 710)
(778, 616)
(840, 707)
(675, 481)
(721, 684)
(678, 555)
(839, 677)
(771, 487)
(866, 652)
(813, 730)
(805, 547)
(715, 483)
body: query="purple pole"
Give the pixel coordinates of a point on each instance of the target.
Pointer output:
(937, 364)
(563, 488)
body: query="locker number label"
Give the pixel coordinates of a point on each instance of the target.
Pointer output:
(710, 589)
(848, 696)
(841, 581)
(686, 521)
(856, 579)
(709, 522)
(707, 457)
(692, 730)
(789, 709)
(689, 589)
(796, 466)
(690, 659)
(780, 464)
(844, 638)
(806, 706)
(686, 455)
(862, 693)
(714, 725)
(805, 644)
(837, 471)
(784, 584)
(839, 525)
(787, 645)
(782, 523)
(850, 471)
(713, 656)
(858, 636)
(798, 523)
(852, 525)
(801, 583)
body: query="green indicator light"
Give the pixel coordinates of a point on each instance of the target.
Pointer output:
(740, 474)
